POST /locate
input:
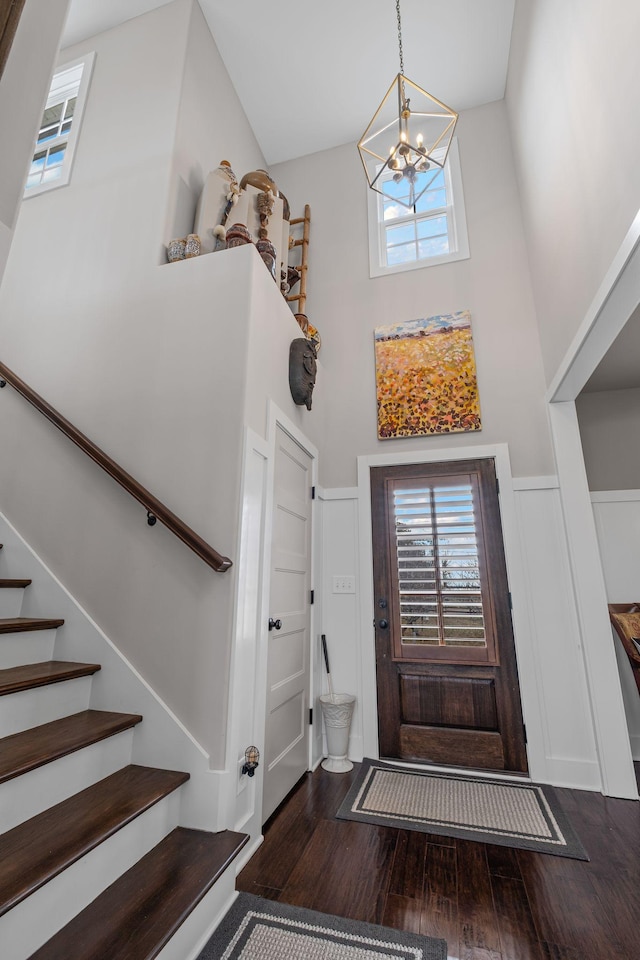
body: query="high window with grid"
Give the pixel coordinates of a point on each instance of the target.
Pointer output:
(56, 139)
(434, 231)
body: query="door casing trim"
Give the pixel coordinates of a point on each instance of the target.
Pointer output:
(277, 418)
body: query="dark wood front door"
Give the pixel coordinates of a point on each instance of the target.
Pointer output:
(446, 670)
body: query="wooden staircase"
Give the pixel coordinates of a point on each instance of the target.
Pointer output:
(93, 861)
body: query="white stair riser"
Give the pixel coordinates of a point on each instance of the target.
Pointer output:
(33, 792)
(11, 601)
(30, 708)
(60, 899)
(30, 646)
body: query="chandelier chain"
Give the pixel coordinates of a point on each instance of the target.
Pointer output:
(399, 36)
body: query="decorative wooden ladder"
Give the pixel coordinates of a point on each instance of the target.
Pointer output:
(303, 266)
(82, 824)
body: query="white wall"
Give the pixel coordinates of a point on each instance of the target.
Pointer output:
(346, 305)
(617, 516)
(180, 426)
(572, 92)
(177, 427)
(87, 242)
(608, 428)
(23, 91)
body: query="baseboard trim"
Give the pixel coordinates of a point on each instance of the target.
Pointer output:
(573, 774)
(247, 852)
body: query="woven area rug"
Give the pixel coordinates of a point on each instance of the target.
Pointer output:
(513, 814)
(257, 929)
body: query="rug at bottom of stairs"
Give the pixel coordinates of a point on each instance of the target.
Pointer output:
(257, 929)
(512, 813)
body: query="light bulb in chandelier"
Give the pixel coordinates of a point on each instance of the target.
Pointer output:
(393, 161)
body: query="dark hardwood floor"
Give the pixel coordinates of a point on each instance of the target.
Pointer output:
(488, 902)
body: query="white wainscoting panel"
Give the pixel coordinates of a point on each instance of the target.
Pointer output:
(340, 611)
(570, 757)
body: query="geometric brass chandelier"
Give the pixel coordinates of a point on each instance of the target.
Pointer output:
(406, 143)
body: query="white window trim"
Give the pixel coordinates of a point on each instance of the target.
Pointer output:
(456, 222)
(71, 140)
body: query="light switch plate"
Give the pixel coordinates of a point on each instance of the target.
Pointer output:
(344, 584)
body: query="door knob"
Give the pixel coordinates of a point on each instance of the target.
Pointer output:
(251, 760)
(383, 624)
(274, 624)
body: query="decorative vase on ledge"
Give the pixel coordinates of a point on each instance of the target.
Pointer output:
(238, 235)
(268, 253)
(176, 250)
(192, 246)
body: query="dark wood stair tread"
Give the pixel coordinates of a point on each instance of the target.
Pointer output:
(40, 848)
(22, 624)
(32, 748)
(137, 915)
(14, 583)
(30, 675)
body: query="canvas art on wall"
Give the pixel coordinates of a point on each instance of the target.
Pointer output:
(426, 377)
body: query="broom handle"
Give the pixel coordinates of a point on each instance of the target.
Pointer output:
(326, 662)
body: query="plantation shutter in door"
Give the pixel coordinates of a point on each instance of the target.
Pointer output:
(439, 566)
(447, 680)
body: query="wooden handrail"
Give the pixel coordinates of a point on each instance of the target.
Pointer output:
(155, 509)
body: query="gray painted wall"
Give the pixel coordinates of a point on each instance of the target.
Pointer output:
(609, 429)
(572, 98)
(23, 91)
(145, 358)
(346, 304)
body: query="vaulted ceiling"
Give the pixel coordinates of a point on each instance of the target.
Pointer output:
(310, 74)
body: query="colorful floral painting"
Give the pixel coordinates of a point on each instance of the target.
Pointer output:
(426, 377)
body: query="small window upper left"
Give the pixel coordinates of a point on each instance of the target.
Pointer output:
(58, 134)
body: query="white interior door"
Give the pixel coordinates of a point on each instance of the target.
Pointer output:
(287, 710)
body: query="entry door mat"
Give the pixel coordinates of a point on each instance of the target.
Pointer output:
(257, 929)
(514, 814)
